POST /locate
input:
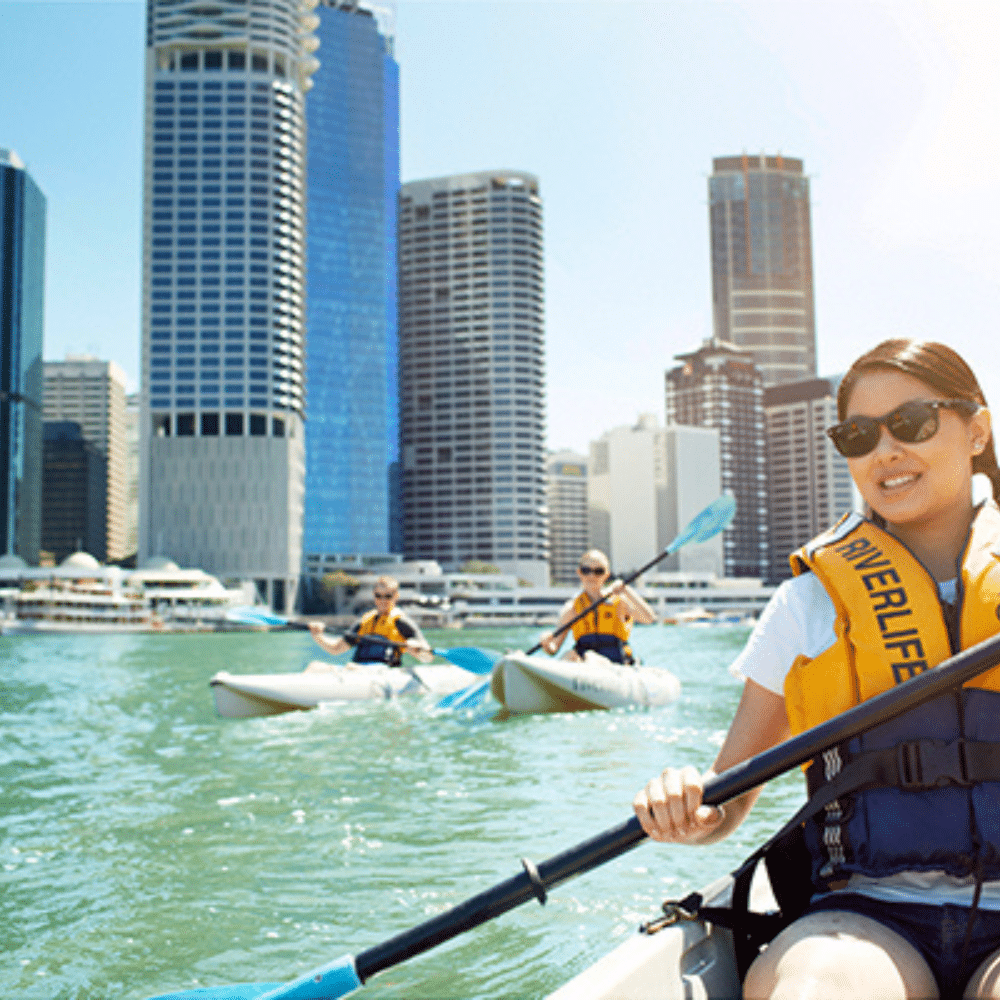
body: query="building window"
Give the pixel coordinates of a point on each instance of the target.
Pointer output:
(185, 425)
(258, 425)
(234, 425)
(209, 424)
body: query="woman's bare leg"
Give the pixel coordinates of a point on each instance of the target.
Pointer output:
(985, 981)
(837, 955)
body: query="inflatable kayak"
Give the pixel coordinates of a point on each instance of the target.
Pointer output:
(672, 957)
(527, 684)
(242, 696)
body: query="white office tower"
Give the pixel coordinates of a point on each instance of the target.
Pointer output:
(223, 333)
(472, 372)
(92, 393)
(567, 502)
(694, 480)
(644, 484)
(809, 483)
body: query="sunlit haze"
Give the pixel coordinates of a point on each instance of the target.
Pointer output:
(618, 108)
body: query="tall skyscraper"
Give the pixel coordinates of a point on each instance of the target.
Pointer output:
(718, 385)
(224, 289)
(809, 483)
(22, 299)
(472, 372)
(91, 393)
(762, 280)
(352, 431)
(567, 503)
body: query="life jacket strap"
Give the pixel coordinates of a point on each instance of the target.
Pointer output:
(914, 765)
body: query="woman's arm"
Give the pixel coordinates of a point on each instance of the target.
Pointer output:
(332, 646)
(552, 641)
(670, 808)
(633, 605)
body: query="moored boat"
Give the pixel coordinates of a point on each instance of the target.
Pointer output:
(529, 684)
(242, 696)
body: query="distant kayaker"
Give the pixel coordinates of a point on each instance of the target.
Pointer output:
(900, 844)
(605, 630)
(385, 622)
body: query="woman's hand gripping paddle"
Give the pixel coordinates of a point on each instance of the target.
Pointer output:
(347, 974)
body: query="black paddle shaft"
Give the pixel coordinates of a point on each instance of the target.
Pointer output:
(533, 882)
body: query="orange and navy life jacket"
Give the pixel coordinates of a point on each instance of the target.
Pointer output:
(385, 626)
(920, 792)
(602, 630)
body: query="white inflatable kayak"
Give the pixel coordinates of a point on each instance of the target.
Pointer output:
(527, 684)
(674, 957)
(241, 696)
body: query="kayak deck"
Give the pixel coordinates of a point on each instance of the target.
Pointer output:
(243, 696)
(533, 684)
(676, 960)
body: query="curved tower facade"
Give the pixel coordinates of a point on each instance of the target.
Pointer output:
(223, 289)
(762, 278)
(472, 372)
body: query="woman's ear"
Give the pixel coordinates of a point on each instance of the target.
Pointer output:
(980, 428)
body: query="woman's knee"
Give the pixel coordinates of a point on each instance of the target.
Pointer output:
(836, 955)
(985, 981)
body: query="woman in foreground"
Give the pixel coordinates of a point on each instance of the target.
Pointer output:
(906, 860)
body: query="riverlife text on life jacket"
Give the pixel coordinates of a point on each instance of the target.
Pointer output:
(385, 626)
(920, 792)
(602, 630)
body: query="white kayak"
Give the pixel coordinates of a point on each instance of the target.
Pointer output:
(674, 957)
(527, 684)
(242, 696)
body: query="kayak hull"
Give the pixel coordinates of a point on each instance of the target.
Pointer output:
(532, 684)
(243, 696)
(678, 961)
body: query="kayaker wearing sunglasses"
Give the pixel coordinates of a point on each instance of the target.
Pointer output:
(903, 836)
(382, 634)
(606, 629)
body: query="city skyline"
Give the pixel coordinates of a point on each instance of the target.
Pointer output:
(898, 157)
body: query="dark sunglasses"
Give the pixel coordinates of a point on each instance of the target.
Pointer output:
(593, 570)
(381, 595)
(910, 423)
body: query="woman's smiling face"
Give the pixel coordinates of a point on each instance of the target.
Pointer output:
(923, 482)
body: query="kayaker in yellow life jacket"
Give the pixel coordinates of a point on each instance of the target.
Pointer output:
(386, 622)
(900, 839)
(606, 629)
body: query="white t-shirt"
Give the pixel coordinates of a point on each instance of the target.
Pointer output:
(798, 619)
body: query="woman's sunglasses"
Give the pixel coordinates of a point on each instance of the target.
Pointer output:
(593, 570)
(910, 423)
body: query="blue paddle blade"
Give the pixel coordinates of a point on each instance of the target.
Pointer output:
(328, 982)
(239, 991)
(713, 519)
(469, 697)
(254, 616)
(476, 661)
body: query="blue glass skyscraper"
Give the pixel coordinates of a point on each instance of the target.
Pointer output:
(352, 113)
(22, 296)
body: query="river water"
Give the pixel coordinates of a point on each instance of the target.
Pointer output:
(147, 845)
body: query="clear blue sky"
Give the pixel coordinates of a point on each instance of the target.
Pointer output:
(618, 107)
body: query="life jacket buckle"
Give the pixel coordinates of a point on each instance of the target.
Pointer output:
(925, 764)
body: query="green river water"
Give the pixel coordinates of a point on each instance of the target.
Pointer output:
(147, 845)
